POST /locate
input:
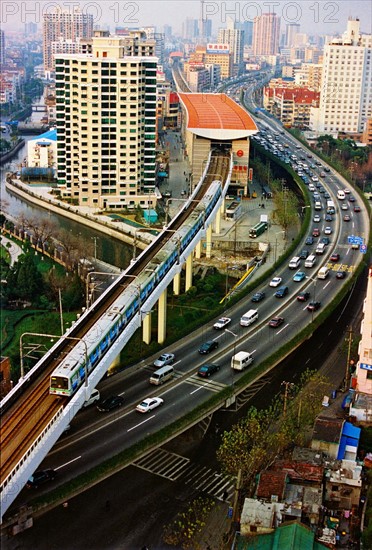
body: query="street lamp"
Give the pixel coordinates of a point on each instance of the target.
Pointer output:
(95, 246)
(87, 296)
(276, 243)
(135, 240)
(21, 356)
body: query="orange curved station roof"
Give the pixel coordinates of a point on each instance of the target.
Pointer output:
(217, 116)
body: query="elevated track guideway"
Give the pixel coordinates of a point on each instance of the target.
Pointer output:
(32, 417)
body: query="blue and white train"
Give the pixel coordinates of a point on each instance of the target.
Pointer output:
(69, 375)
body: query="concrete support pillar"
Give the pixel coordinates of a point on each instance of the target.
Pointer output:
(162, 317)
(188, 282)
(217, 223)
(146, 328)
(198, 250)
(177, 284)
(208, 241)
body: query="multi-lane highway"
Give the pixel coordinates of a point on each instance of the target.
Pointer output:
(83, 447)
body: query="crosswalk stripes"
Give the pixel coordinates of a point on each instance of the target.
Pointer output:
(211, 385)
(176, 467)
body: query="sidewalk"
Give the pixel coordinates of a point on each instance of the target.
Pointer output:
(14, 249)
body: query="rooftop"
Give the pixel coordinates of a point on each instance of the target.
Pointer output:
(217, 116)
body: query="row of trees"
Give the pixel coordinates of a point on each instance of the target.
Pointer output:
(23, 282)
(258, 439)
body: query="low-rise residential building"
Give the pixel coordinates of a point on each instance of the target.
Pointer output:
(291, 105)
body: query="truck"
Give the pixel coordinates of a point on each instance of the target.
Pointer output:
(241, 360)
(257, 230)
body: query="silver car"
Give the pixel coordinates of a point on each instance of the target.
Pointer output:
(164, 359)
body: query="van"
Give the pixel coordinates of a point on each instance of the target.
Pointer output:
(241, 360)
(162, 375)
(310, 261)
(248, 318)
(94, 396)
(341, 195)
(294, 263)
(320, 249)
(323, 272)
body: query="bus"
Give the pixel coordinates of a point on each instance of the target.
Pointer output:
(257, 230)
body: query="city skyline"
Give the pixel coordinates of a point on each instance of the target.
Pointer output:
(314, 17)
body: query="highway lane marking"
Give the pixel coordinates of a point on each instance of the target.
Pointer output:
(140, 424)
(325, 286)
(279, 331)
(67, 463)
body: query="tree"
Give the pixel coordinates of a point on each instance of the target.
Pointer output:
(24, 280)
(183, 532)
(285, 206)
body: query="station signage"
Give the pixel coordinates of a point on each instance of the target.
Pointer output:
(365, 366)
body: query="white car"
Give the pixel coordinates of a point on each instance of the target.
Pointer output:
(327, 230)
(276, 281)
(316, 218)
(165, 359)
(149, 404)
(344, 206)
(222, 323)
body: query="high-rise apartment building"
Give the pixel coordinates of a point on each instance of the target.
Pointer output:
(234, 37)
(2, 47)
(64, 25)
(106, 122)
(266, 31)
(190, 29)
(346, 90)
(291, 30)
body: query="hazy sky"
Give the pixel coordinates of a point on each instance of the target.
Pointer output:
(315, 16)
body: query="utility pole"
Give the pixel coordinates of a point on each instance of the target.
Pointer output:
(347, 372)
(287, 385)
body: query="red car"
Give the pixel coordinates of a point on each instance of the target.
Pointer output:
(316, 232)
(334, 257)
(276, 322)
(356, 208)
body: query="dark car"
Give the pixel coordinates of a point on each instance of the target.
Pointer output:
(110, 403)
(303, 296)
(316, 232)
(313, 306)
(347, 218)
(303, 254)
(276, 322)
(258, 297)
(328, 218)
(309, 241)
(206, 370)
(340, 274)
(281, 292)
(207, 347)
(334, 257)
(356, 208)
(40, 477)
(324, 240)
(351, 198)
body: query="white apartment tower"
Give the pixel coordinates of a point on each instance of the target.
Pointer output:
(235, 39)
(60, 25)
(106, 123)
(346, 92)
(266, 31)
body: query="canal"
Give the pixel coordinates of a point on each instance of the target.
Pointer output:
(109, 250)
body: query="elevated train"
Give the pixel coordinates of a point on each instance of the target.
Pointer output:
(83, 358)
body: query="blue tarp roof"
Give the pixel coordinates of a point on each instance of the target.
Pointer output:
(350, 436)
(50, 134)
